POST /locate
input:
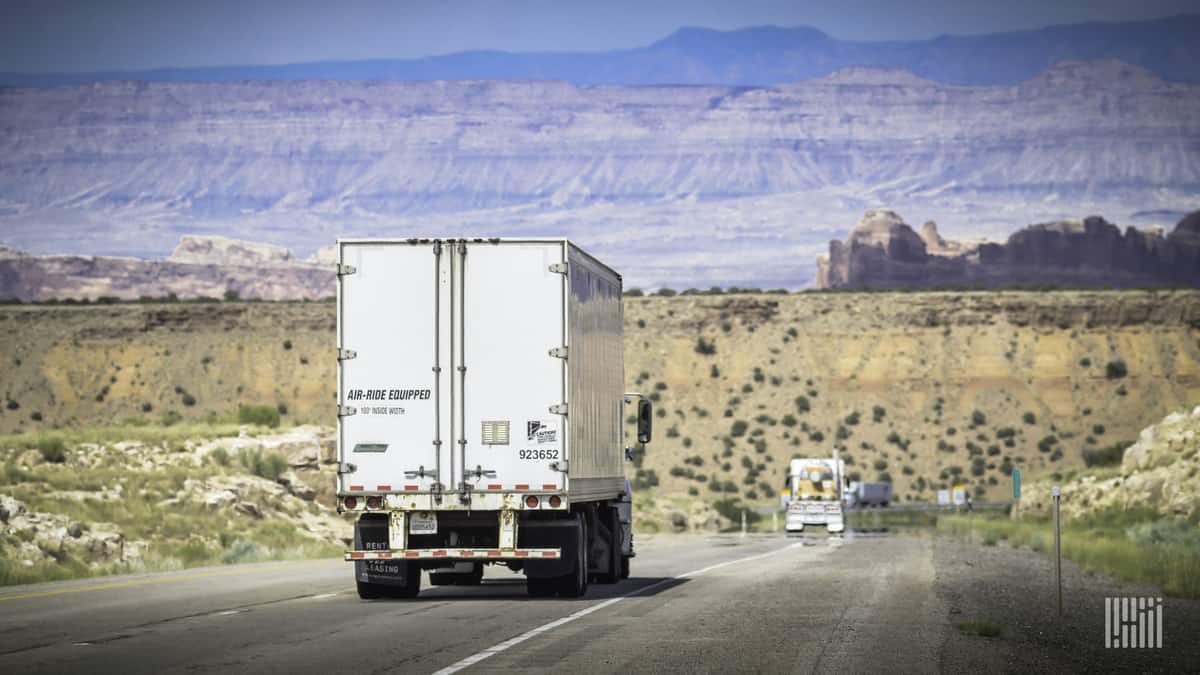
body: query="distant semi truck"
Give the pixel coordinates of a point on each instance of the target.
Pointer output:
(862, 495)
(480, 417)
(815, 486)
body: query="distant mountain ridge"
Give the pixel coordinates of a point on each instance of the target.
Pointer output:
(678, 186)
(755, 56)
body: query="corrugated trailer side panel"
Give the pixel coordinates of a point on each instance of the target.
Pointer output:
(595, 378)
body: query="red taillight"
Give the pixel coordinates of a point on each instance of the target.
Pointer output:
(350, 502)
(555, 502)
(531, 501)
(374, 502)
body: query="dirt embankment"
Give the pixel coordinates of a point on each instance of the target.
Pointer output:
(924, 389)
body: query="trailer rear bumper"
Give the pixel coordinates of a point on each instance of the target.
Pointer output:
(455, 554)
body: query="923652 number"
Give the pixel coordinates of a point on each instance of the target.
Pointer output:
(536, 453)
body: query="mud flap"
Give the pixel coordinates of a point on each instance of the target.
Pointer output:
(371, 534)
(560, 534)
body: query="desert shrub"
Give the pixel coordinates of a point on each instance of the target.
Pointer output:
(747, 388)
(187, 399)
(269, 465)
(993, 450)
(1098, 429)
(878, 413)
(665, 293)
(715, 372)
(282, 408)
(673, 432)
(261, 415)
(645, 479)
(52, 448)
(1047, 444)
(12, 405)
(758, 375)
(1109, 456)
(169, 418)
(35, 416)
(1029, 418)
(1085, 362)
(1115, 370)
(880, 464)
(146, 407)
(760, 446)
(660, 411)
(287, 345)
(633, 293)
(219, 456)
(1006, 467)
(842, 433)
(660, 386)
(816, 437)
(1005, 432)
(853, 418)
(802, 405)
(883, 477)
(788, 420)
(692, 491)
(687, 442)
(978, 418)
(739, 428)
(978, 466)
(705, 347)
(907, 470)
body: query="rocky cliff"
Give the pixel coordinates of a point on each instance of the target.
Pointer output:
(678, 186)
(884, 252)
(200, 267)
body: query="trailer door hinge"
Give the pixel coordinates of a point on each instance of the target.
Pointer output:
(559, 352)
(559, 268)
(346, 467)
(343, 270)
(563, 465)
(346, 354)
(346, 411)
(559, 408)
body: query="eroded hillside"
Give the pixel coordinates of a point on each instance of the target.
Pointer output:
(927, 388)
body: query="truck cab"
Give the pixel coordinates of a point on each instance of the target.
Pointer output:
(816, 489)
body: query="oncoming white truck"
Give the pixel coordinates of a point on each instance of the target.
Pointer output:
(815, 494)
(481, 413)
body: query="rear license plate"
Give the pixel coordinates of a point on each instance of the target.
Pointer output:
(422, 522)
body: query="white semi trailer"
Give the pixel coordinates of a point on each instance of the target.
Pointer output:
(480, 416)
(815, 488)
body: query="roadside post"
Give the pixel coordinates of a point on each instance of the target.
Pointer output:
(1016, 481)
(743, 522)
(1056, 494)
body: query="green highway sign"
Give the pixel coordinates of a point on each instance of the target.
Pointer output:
(1016, 476)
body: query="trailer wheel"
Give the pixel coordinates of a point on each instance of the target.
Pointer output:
(624, 567)
(542, 588)
(370, 591)
(412, 584)
(574, 584)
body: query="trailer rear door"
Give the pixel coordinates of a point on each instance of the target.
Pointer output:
(393, 339)
(509, 319)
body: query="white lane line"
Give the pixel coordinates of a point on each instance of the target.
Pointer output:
(496, 649)
(323, 596)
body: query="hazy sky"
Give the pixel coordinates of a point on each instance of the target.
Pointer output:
(66, 35)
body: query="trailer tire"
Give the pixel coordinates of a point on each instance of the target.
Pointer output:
(370, 591)
(624, 567)
(542, 587)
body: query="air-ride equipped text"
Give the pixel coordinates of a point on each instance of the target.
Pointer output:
(386, 396)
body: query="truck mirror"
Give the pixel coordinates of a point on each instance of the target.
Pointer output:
(644, 421)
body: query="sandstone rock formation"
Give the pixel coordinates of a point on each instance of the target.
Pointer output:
(199, 267)
(1160, 472)
(884, 252)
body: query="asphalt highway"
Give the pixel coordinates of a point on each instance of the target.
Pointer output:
(693, 604)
